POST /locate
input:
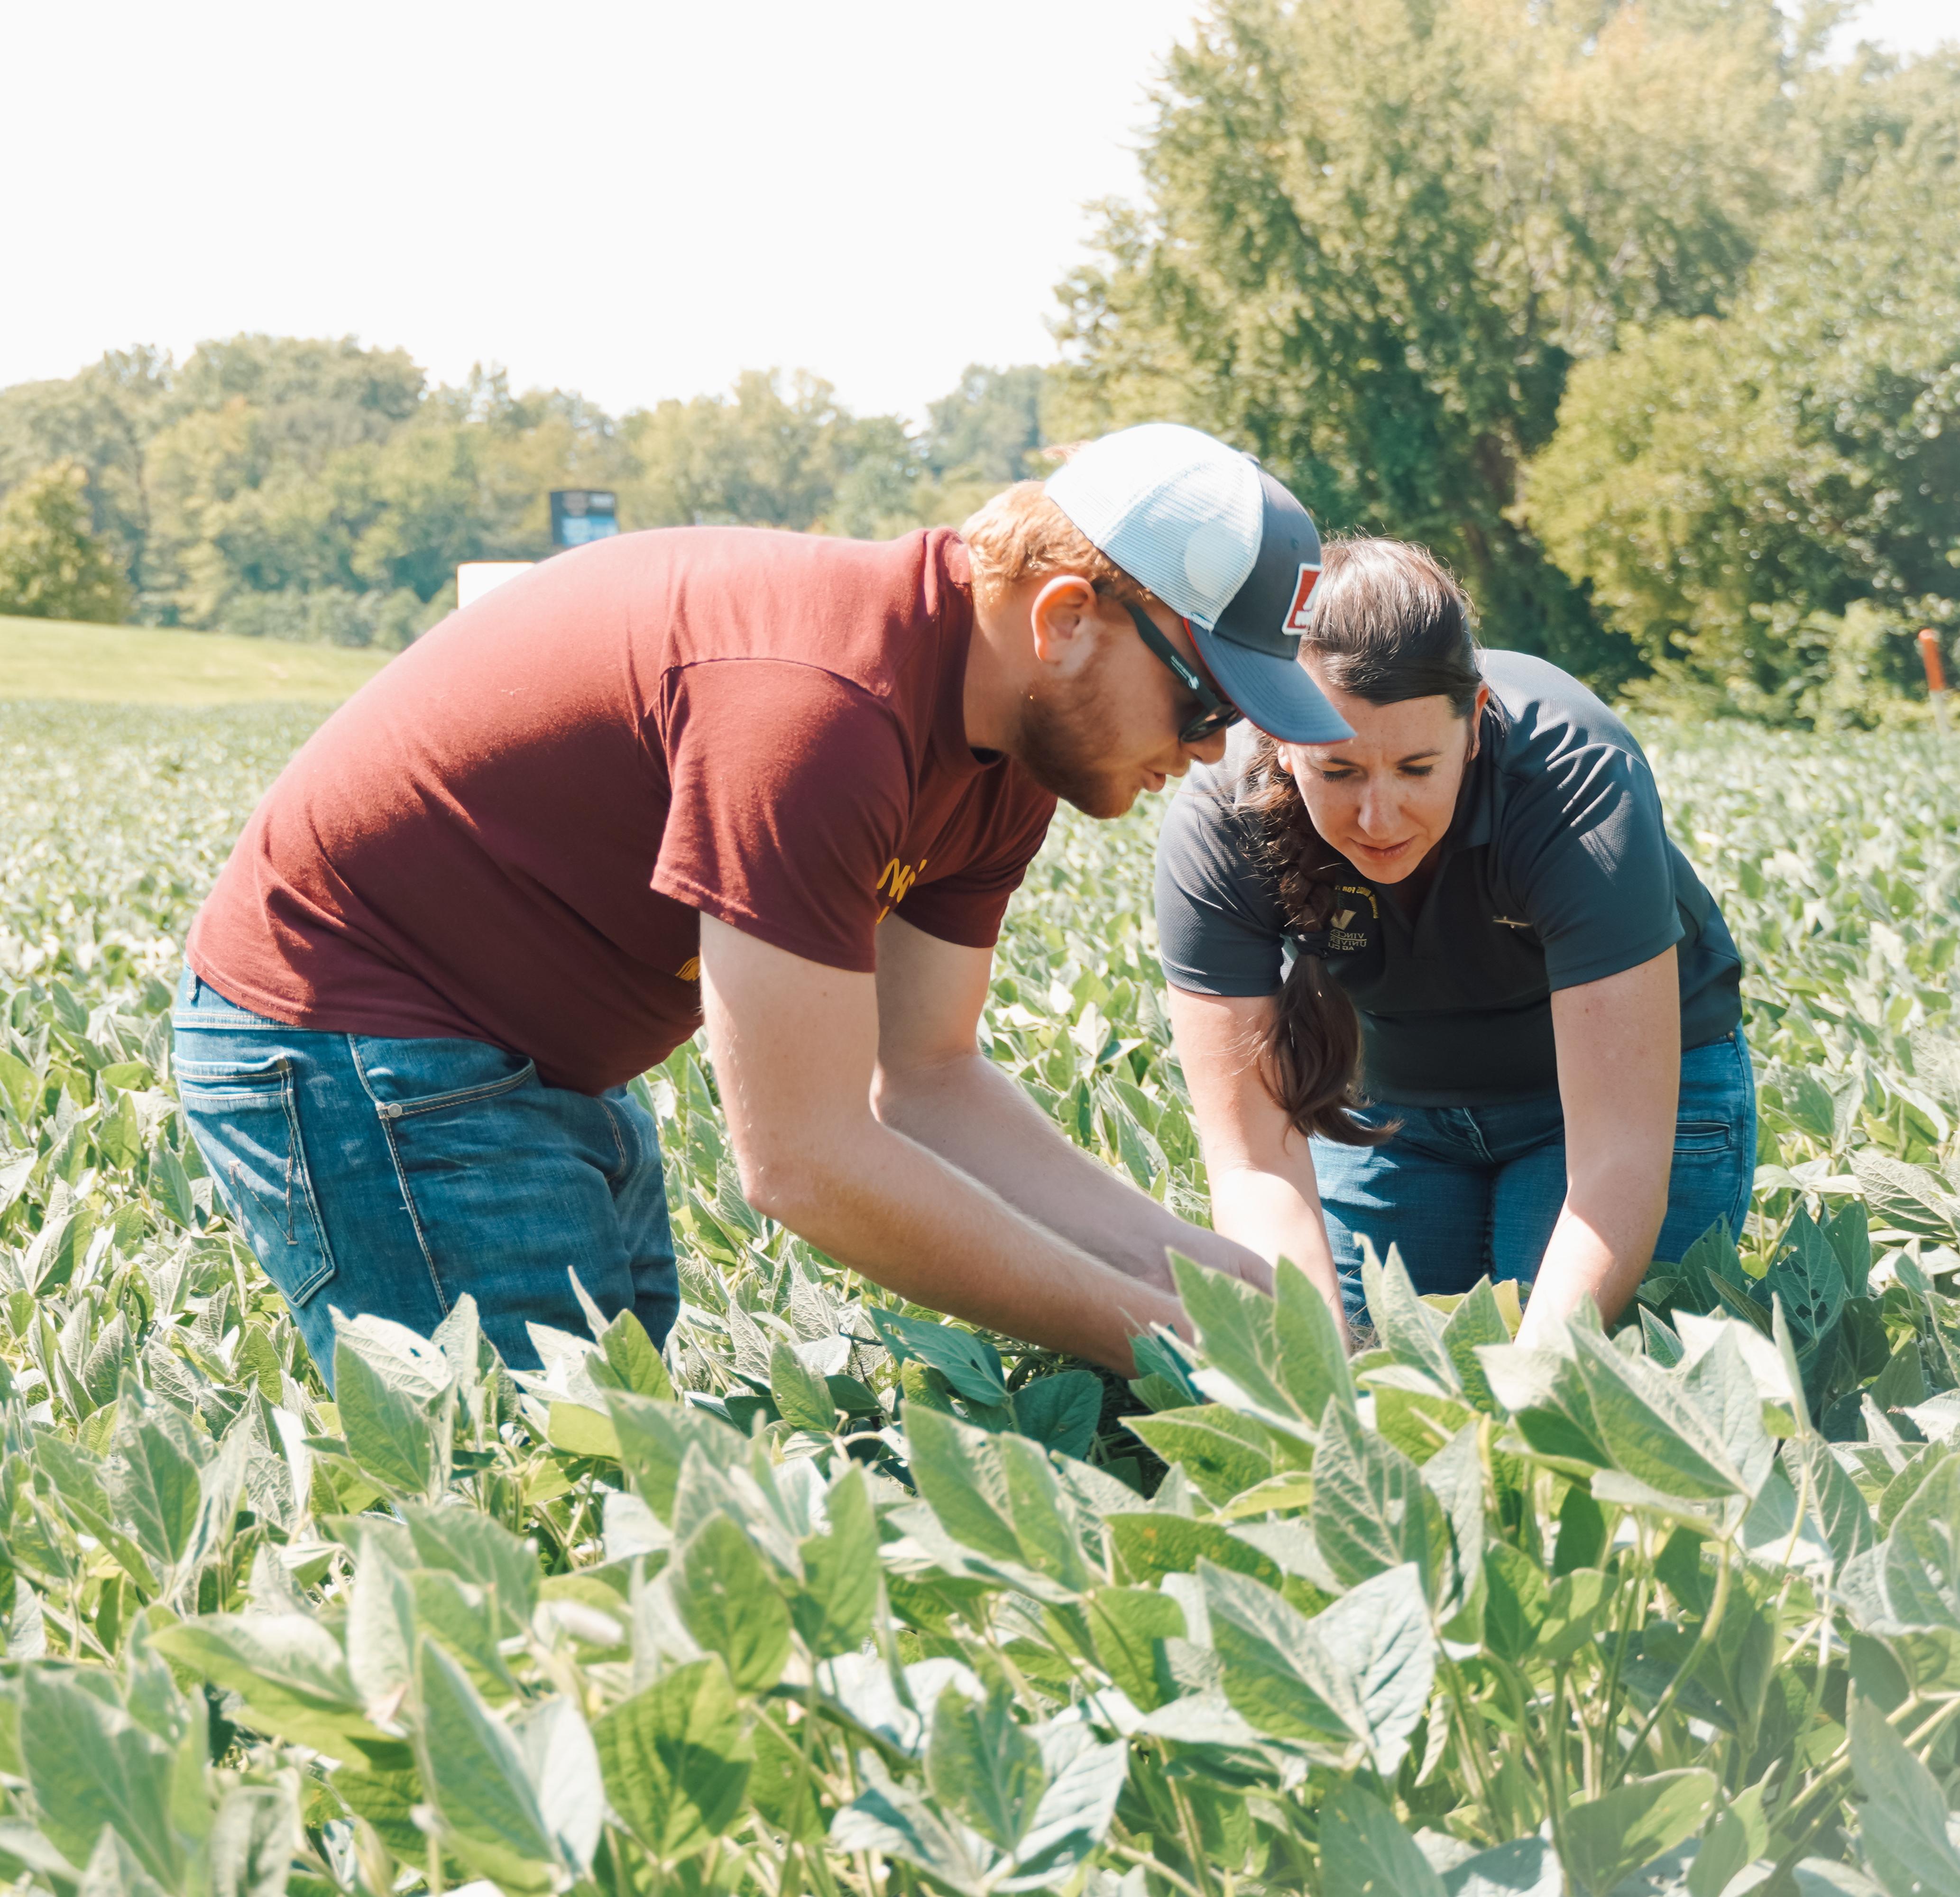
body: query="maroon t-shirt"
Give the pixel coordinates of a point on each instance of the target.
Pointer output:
(509, 833)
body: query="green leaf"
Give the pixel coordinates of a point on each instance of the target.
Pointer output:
(1477, 1320)
(832, 1609)
(1365, 1852)
(1413, 1333)
(1127, 1627)
(90, 1764)
(1060, 1411)
(1380, 1633)
(1236, 1333)
(801, 1396)
(1922, 1554)
(1902, 1829)
(653, 1440)
(254, 1839)
(956, 1471)
(113, 1870)
(476, 1779)
(1632, 1825)
(675, 1761)
(1515, 1603)
(1907, 1198)
(889, 1818)
(155, 1484)
(1222, 1452)
(1651, 1431)
(288, 1670)
(1525, 1867)
(1278, 1675)
(728, 1601)
(464, 1542)
(983, 1763)
(629, 1356)
(1371, 1509)
(1312, 1361)
(396, 1425)
(1149, 1546)
(969, 1363)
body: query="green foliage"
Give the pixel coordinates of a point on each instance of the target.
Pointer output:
(834, 1597)
(1766, 502)
(52, 566)
(1376, 235)
(285, 488)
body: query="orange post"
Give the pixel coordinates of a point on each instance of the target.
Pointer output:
(1935, 676)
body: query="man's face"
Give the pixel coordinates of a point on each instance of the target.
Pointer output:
(1100, 722)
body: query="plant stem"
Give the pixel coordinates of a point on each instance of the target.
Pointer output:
(1711, 1621)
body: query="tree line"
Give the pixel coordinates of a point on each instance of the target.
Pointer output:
(275, 486)
(1646, 317)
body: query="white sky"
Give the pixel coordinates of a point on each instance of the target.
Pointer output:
(632, 198)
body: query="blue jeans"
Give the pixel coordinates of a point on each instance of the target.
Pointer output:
(1466, 1192)
(391, 1177)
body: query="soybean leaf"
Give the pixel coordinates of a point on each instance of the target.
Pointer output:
(398, 1436)
(1222, 1452)
(1909, 1198)
(90, 1764)
(1921, 1556)
(1475, 1321)
(969, 1363)
(154, 1481)
(464, 1543)
(956, 1473)
(288, 1670)
(889, 1816)
(731, 1605)
(1410, 1329)
(253, 1839)
(1515, 1602)
(1278, 1674)
(802, 1397)
(1127, 1627)
(476, 1779)
(1380, 1634)
(1633, 1825)
(1365, 1852)
(832, 1609)
(1371, 1510)
(627, 1359)
(1525, 1867)
(1073, 1817)
(654, 1438)
(1236, 1331)
(1312, 1363)
(983, 1763)
(1060, 1411)
(1904, 1829)
(674, 1760)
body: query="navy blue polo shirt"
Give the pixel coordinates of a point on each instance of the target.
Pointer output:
(1556, 871)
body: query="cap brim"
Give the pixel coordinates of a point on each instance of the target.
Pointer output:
(1275, 693)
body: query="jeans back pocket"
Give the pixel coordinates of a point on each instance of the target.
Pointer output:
(1691, 1137)
(244, 1116)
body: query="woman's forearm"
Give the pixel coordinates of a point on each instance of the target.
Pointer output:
(1602, 1243)
(1269, 1214)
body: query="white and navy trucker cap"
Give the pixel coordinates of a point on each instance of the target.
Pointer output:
(1223, 546)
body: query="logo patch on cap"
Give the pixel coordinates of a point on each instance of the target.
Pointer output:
(1298, 616)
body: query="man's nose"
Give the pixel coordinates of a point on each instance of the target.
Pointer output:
(1208, 750)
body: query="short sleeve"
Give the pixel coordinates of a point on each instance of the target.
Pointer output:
(1220, 928)
(789, 792)
(966, 907)
(1586, 849)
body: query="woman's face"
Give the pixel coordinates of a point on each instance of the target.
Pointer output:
(1384, 798)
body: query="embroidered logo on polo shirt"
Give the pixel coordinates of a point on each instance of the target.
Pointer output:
(1343, 937)
(690, 969)
(1510, 922)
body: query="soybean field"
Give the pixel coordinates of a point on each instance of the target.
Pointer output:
(831, 1596)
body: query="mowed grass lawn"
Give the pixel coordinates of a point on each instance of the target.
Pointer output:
(150, 665)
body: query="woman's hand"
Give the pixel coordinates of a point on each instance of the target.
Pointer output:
(1263, 1191)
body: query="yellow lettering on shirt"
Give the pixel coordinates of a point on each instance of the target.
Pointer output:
(896, 880)
(690, 969)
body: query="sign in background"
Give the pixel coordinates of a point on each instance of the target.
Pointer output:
(580, 515)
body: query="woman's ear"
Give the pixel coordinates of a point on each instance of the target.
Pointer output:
(1477, 722)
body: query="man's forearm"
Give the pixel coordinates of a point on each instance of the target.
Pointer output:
(907, 1219)
(975, 1117)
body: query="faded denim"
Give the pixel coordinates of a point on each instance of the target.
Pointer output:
(391, 1177)
(1468, 1192)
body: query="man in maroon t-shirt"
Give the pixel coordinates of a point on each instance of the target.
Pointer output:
(784, 782)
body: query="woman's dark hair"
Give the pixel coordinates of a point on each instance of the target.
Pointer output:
(1389, 623)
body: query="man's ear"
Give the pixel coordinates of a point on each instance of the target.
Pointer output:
(1064, 618)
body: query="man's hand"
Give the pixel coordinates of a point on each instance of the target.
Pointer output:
(934, 1084)
(794, 1046)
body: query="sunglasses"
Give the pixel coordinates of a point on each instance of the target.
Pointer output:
(1216, 713)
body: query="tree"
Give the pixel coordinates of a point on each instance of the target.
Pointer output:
(1768, 504)
(52, 566)
(1378, 233)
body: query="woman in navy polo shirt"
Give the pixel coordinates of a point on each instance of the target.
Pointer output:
(1448, 985)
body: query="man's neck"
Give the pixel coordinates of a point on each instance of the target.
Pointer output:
(994, 685)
